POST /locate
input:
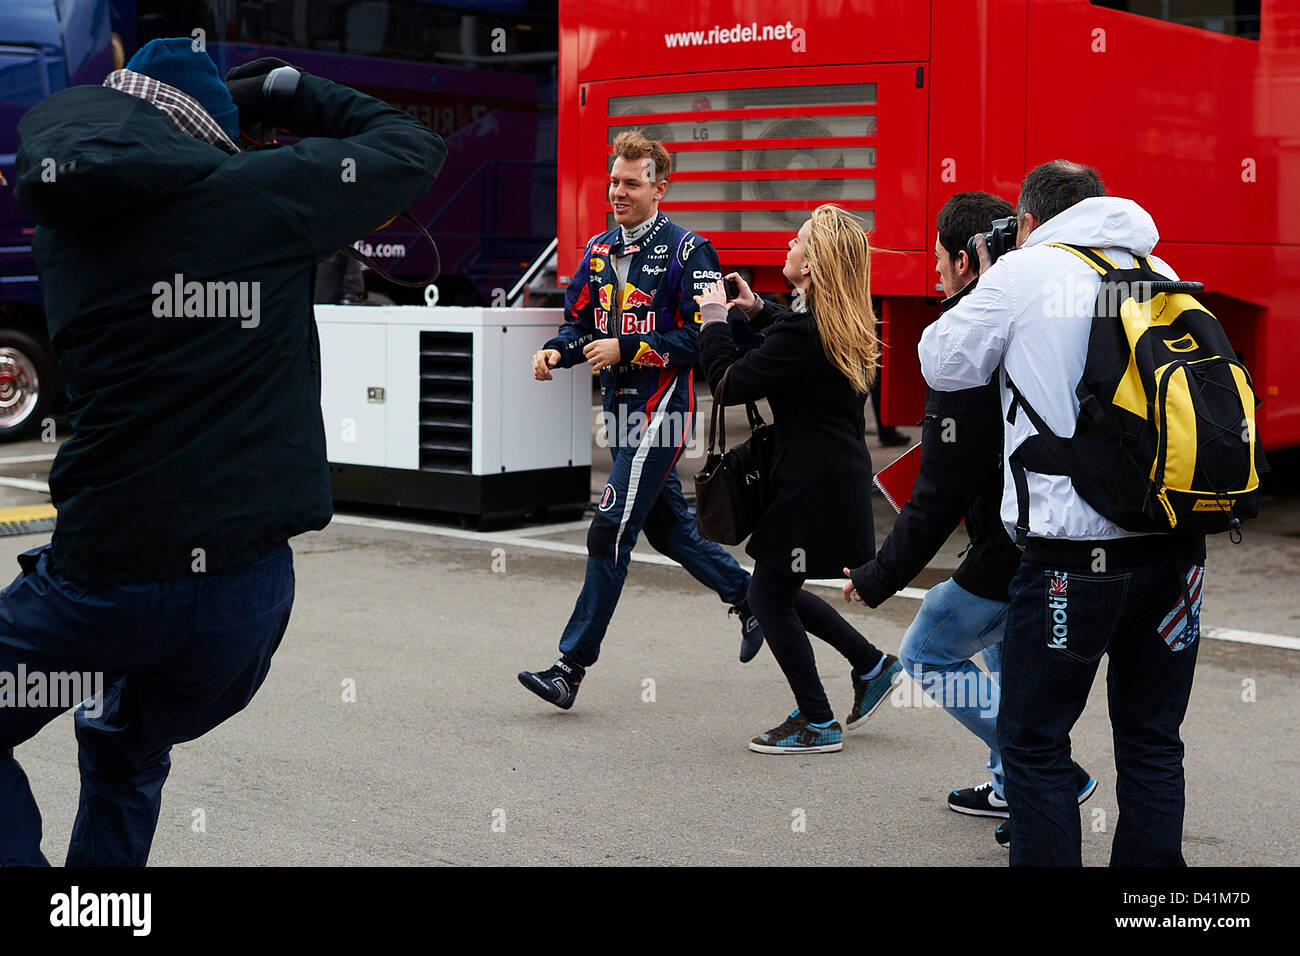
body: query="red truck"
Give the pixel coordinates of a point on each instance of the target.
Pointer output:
(888, 107)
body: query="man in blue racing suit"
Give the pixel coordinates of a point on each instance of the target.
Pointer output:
(630, 313)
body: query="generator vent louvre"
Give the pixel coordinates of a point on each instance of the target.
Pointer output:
(446, 402)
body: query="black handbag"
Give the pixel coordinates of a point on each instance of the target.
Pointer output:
(734, 488)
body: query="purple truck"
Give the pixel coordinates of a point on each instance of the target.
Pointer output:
(481, 74)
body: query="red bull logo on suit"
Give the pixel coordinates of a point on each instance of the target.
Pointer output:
(645, 355)
(634, 297)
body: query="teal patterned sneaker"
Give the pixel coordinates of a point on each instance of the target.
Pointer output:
(797, 736)
(869, 694)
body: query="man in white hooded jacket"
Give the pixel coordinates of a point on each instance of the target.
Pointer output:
(1085, 586)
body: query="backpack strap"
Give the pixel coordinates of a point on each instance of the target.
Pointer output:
(1094, 257)
(1045, 453)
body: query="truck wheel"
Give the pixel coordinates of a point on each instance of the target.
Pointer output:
(26, 374)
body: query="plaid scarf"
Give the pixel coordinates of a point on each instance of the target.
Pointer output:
(184, 111)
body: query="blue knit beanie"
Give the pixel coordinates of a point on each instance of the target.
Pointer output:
(175, 63)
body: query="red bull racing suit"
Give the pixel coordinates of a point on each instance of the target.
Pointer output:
(649, 411)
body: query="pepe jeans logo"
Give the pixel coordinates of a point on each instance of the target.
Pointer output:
(1057, 600)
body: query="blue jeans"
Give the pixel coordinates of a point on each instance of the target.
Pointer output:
(953, 626)
(643, 493)
(176, 657)
(1060, 623)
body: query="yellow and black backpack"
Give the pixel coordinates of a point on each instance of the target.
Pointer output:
(1165, 438)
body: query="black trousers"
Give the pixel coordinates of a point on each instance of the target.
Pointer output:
(1143, 614)
(787, 614)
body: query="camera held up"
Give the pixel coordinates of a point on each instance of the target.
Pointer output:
(1001, 238)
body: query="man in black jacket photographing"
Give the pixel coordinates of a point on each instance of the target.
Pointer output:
(961, 477)
(177, 273)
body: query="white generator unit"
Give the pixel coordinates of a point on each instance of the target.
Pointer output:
(436, 408)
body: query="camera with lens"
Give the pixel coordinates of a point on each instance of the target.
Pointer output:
(1001, 238)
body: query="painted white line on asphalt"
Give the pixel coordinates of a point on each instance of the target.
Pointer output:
(525, 539)
(914, 594)
(522, 540)
(26, 484)
(555, 528)
(25, 459)
(1251, 637)
(489, 537)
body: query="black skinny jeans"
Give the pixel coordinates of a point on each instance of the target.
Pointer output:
(787, 613)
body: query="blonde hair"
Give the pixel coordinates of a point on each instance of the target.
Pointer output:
(839, 295)
(631, 144)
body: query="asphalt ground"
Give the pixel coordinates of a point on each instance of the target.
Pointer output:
(392, 729)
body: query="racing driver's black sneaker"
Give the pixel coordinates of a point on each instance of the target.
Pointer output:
(558, 683)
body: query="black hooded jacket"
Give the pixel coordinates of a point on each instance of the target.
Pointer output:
(961, 477)
(197, 442)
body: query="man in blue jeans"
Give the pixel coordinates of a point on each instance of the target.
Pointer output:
(960, 478)
(175, 659)
(193, 369)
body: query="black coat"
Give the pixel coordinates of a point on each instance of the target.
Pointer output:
(194, 432)
(961, 476)
(821, 469)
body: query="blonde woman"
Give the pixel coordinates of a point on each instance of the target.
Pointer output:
(815, 367)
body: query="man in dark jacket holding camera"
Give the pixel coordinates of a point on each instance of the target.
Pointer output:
(961, 477)
(177, 273)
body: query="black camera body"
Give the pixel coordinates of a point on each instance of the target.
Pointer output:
(1001, 238)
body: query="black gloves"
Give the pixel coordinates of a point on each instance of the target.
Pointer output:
(263, 91)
